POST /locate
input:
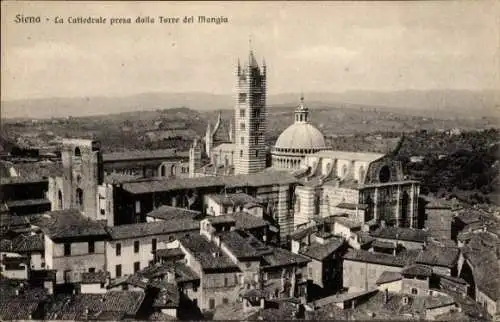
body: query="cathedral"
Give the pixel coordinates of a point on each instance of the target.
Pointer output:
(306, 181)
(366, 187)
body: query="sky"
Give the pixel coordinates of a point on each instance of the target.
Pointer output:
(313, 46)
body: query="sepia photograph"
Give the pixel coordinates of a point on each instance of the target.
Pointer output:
(250, 160)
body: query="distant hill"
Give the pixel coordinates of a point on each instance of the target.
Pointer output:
(434, 103)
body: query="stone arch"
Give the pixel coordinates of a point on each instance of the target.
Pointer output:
(467, 273)
(163, 170)
(172, 170)
(78, 153)
(384, 174)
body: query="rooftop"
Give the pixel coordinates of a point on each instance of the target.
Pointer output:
(400, 260)
(208, 254)
(234, 199)
(73, 307)
(417, 270)
(265, 178)
(303, 232)
(283, 257)
(153, 228)
(482, 251)
(27, 202)
(182, 272)
(349, 223)
(25, 243)
(167, 297)
(70, 223)
(388, 276)
(244, 220)
(17, 309)
(321, 251)
(244, 245)
(146, 154)
(405, 234)
(439, 256)
(173, 213)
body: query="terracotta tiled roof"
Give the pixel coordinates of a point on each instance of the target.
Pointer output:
(417, 270)
(264, 178)
(173, 213)
(142, 155)
(406, 234)
(234, 199)
(70, 223)
(400, 260)
(208, 254)
(153, 228)
(439, 256)
(321, 251)
(388, 276)
(17, 309)
(73, 307)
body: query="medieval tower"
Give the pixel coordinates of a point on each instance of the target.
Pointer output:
(250, 117)
(82, 174)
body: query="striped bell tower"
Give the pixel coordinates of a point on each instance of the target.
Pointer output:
(250, 117)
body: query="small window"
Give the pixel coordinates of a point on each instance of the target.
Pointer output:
(92, 270)
(242, 140)
(211, 304)
(136, 246)
(118, 249)
(242, 126)
(153, 245)
(137, 207)
(225, 301)
(91, 247)
(242, 112)
(171, 239)
(137, 266)
(241, 153)
(102, 285)
(226, 282)
(414, 291)
(150, 263)
(118, 270)
(256, 153)
(67, 249)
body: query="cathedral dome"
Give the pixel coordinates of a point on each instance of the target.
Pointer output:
(301, 136)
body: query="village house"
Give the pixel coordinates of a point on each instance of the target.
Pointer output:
(362, 269)
(132, 247)
(73, 244)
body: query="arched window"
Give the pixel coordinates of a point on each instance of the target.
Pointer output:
(59, 200)
(78, 153)
(163, 170)
(172, 170)
(384, 174)
(79, 197)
